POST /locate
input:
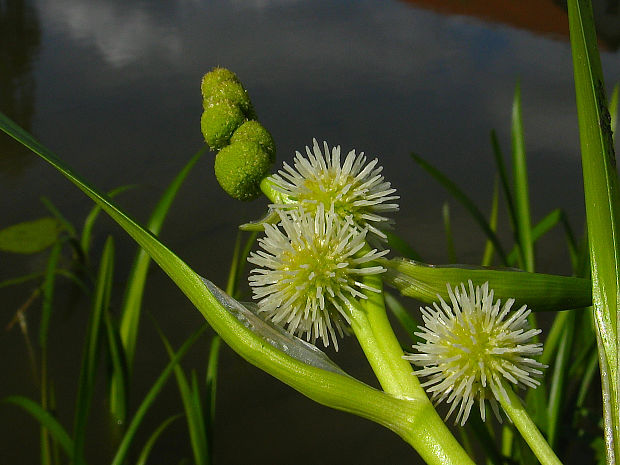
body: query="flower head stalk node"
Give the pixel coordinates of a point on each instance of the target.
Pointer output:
(354, 189)
(311, 266)
(472, 347)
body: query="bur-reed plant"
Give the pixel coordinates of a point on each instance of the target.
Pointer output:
(322, 270)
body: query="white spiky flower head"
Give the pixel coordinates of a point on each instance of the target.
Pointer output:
(354, 188)
(472, 347)
(311, 266)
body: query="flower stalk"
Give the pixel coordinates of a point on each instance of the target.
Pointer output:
(515, 410)
(428, 434)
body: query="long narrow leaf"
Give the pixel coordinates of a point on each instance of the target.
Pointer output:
(211, 394)
(119, 370)
(558, 379)
(135, 288)
(91, 349)
(46, 419)
(459, 195)
(136, 421)
(193, 412)
(132, 302)
(46, 312)
(398, 244)
(408, 322)
(89, 222)
(613, 110)
(521, 187)
(503, 176)
(48, 293)
(489, 249)
(148, 446)
(602, 209)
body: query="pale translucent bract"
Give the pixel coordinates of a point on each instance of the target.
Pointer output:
(472, 347)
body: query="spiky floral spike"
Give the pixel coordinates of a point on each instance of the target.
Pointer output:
(309, 270)
(472, 347)
(355, 189)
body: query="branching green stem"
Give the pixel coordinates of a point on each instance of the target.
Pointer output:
(428, 435)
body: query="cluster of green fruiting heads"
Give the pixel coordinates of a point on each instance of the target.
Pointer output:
(245, 148)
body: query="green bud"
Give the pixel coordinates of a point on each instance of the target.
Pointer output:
(218, 123)
(240, 167)
(214, 78)
(255, 132)
(233, 93)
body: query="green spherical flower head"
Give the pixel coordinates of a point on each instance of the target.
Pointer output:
(240, 167)
(213, 80)
(255, 132)
(218, 123)
(233, 93)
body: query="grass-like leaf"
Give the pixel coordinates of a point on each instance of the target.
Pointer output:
(46, 419)
(503, 177)
(520, 184)
(119, 370)
(193, 407)
(46, 314)
(545, 225)
(559, 375)
(136, 421)
(613, 110)
(211, 391)
(91, 218)
(48, 294)
(135, 284)
(489, 249)
(459, 195)
(134, 291)
(148, 446)
(398, 244)
(88, 371)
(406, 320)
(602, 209)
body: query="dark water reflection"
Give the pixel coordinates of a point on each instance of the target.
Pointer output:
(20, 39)
(113, 87)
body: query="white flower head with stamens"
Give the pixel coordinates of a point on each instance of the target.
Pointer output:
(472, 348)
(354, 188)
(311, 266)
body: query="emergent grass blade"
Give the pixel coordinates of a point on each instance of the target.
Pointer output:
(90, 358)
(459, 195)
(600, 181)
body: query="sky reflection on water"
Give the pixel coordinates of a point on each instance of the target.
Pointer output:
(116, 94)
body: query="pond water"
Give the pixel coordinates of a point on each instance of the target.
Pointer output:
(114, 88)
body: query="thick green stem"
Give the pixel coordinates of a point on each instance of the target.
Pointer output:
(517, 413)
(428, 435)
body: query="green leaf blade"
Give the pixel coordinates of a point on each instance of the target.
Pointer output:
(521, 186)
(602, 208)
(30, 237)
(46, 419)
